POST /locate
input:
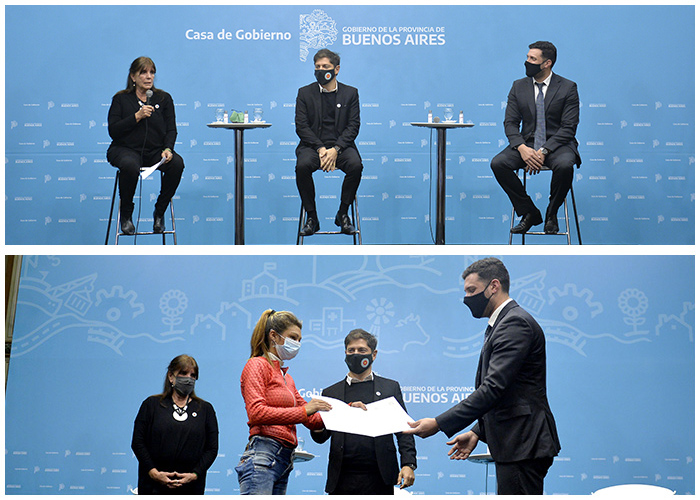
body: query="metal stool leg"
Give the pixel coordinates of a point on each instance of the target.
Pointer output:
(172, 221)
(111, 207)
(354, 218)
(302, 214)
(573, 204)
(357, 237)
(119, 221)
(566, 215)
(172, 215)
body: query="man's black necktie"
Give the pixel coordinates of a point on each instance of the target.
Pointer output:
(481, 356)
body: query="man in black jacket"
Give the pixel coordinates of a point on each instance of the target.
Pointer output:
(362, 465)
(510, 399)
(327, 122)
(541, 120)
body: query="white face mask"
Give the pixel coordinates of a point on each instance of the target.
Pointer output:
(288, 350)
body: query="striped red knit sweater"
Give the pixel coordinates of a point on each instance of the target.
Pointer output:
(273, 403)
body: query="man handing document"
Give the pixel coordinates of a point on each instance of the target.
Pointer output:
(510, 401)
(360, 464)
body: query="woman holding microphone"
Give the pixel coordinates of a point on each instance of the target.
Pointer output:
(274, 406)
(141, 123)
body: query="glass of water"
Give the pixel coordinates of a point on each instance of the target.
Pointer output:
(257, 114)
(219, 115)
(449, 113)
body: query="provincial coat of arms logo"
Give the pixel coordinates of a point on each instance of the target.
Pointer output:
(316, 31)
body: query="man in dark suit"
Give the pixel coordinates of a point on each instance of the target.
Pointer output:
(510, 397)
(546, 139)
(362, 465)
(327, 122)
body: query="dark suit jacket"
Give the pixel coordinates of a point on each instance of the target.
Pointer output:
(309, 119)
(561, 106)
(510, 400)
(383, 445)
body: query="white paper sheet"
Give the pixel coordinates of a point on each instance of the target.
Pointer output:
(148, 171)
(381, 417)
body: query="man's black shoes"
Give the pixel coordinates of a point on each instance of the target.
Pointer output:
(344, 223)
(158, 223)
(551, 226)
(310, 227)
(127, 226)
(526, 222)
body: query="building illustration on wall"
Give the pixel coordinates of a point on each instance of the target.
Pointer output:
(265, 284)
(332, 323)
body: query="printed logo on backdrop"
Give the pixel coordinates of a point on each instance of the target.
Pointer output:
(316, 31)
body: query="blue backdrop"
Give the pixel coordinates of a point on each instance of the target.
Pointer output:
(634, 66)
(93, 337)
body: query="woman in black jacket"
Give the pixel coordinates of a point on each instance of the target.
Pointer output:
(142, 127)
(176, 435)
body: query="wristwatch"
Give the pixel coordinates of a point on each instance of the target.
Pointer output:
(545, 151)
(337, 148)
(412, 466)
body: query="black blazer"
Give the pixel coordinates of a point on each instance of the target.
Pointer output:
(160, 130)
(561, 106)
(309, 120)
(383, 445)
(510, 400)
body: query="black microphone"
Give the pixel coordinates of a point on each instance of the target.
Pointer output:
(149, 94)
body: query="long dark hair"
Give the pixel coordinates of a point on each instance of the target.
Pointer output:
(181, 362)
(139, 64)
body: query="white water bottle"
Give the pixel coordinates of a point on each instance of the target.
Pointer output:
(461, 117)
(430, 116)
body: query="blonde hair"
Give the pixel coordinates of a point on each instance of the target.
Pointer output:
(279, 321)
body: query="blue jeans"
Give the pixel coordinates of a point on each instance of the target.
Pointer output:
(264, 467)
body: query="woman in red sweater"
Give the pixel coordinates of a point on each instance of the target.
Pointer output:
(274, 406)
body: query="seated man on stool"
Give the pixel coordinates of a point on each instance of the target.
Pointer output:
(547, 107)
(327, 122)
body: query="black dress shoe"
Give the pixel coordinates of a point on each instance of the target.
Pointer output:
(343, 221)
(551, 226)
(310, 227)
(158, 223)
(526, 222)
(127, 226)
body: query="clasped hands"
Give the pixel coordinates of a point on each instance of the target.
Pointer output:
(172, 479)
(327, 158)
(534, 160)
(462, 444)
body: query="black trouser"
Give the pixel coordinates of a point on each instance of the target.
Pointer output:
(525, 477)
(308, 162)
(367, 482)
(561, 161)
(129, 163)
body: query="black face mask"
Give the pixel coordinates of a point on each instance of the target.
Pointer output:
(357, 363)
(477, 303)
(184, 385)
(531, 69)
(324, 76)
